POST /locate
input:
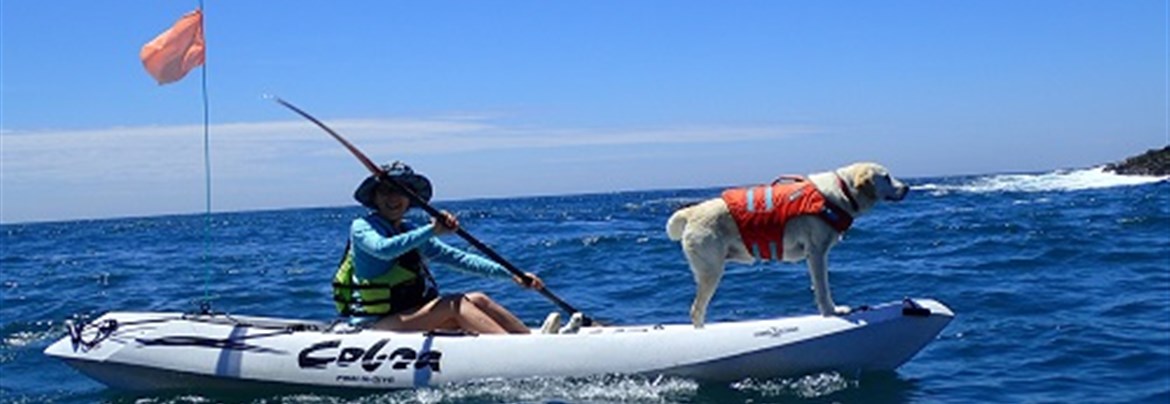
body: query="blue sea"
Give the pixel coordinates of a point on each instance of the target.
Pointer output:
(1060, 282)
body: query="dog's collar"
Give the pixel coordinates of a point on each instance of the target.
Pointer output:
(845, 189)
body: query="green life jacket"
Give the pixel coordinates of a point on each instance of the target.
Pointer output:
(402, 287)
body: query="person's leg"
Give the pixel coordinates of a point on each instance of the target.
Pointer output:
(502, 316)
(439, 313)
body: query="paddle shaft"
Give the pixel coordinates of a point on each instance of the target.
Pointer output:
(418, 201)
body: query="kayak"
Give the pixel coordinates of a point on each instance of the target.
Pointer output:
(147, 351)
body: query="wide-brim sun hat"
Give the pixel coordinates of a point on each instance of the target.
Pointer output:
(400, 172)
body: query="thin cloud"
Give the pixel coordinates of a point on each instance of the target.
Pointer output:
(237, 148)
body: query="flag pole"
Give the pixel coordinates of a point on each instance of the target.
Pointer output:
(206, 305)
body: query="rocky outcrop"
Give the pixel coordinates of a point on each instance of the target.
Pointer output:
(1153, 162)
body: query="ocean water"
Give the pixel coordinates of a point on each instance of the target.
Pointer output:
(1060, 282)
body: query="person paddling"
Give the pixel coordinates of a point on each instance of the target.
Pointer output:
(384, 278)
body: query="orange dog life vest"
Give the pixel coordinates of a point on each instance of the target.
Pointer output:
(761, 212)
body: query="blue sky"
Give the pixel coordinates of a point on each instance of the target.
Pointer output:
(495, 99)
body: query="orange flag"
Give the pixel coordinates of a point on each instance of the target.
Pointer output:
(176, 51)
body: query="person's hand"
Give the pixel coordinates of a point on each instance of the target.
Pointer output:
(536, 282)
(448, 223)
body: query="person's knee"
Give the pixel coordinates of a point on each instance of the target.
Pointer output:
(450, 304)
(479, 299)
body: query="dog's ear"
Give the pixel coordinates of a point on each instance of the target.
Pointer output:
(863, 183)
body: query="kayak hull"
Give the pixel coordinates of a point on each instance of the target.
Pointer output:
(174, 351)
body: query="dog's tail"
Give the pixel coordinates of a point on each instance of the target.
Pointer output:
(676, 224)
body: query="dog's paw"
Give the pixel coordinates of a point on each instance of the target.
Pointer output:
(834, 310)
(552, 323)
(573, 325)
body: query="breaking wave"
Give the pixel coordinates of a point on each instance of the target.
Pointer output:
(1060, 180)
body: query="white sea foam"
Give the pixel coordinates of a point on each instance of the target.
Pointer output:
(594, 389)
(809, 386)
(1061, 180)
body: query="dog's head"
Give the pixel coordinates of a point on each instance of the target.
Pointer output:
(872, 183)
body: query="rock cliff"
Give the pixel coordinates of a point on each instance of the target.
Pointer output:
(1153, 162)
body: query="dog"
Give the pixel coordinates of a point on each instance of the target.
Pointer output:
(743, 226)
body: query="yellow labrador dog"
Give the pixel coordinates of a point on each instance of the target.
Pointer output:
(792, 219)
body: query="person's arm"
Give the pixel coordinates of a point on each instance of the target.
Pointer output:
(367, 239)
(441, 252)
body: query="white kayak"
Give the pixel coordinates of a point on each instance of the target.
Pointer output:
(163, 351)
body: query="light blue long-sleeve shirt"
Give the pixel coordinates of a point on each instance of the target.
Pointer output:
(376, 246)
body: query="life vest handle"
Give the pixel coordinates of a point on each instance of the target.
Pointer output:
(789, 178)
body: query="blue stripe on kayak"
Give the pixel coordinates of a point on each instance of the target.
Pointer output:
(768, 200)
(751, 199)
(756, 250)
(422, 376)
(772, 249)
(229, 359)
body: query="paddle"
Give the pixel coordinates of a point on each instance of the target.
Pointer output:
(417, 201)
